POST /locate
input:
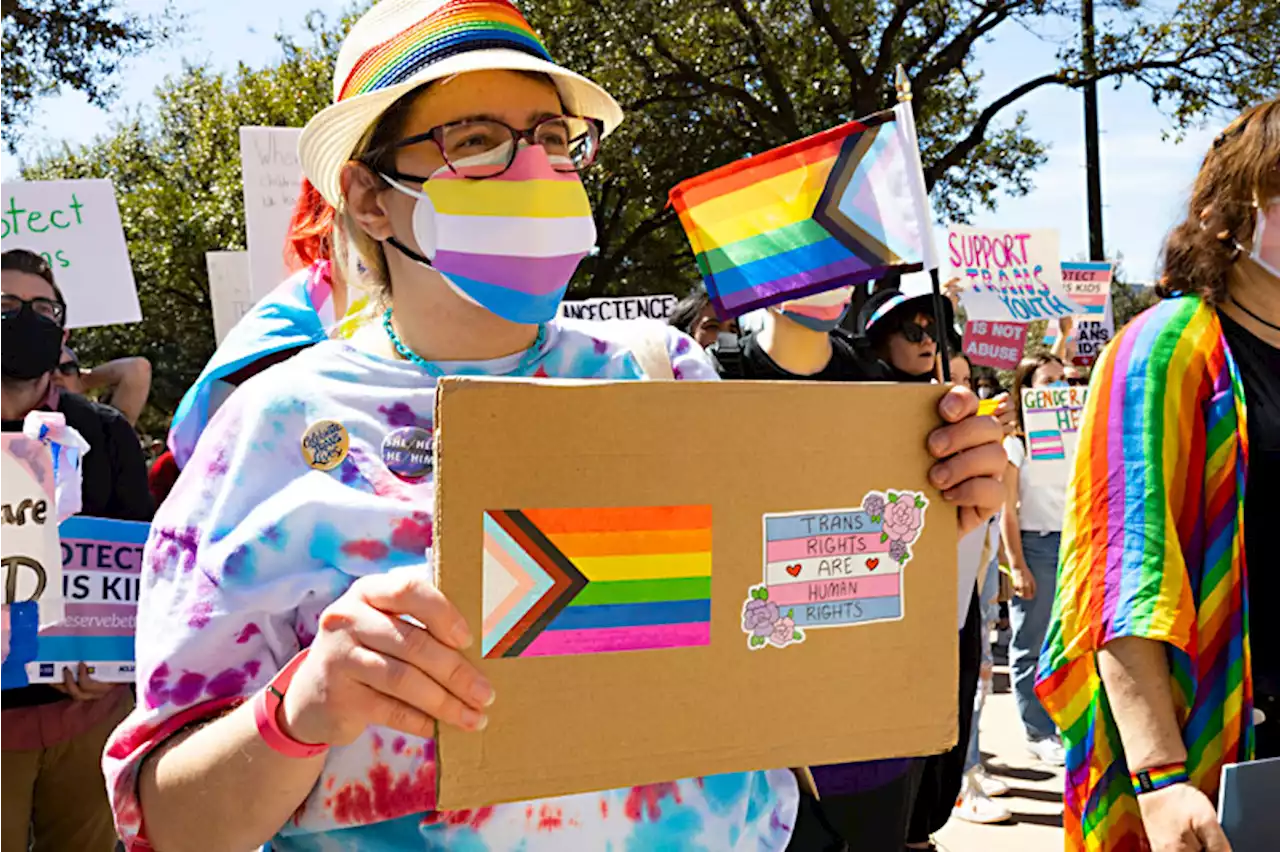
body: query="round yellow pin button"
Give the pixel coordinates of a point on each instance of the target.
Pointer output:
(325, 444)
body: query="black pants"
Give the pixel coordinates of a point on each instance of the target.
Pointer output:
(943, 773)
(871, 821)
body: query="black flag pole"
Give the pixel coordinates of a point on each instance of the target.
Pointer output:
(903, 86)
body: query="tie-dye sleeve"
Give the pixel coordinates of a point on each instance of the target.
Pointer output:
(688, 360)
(232, 583)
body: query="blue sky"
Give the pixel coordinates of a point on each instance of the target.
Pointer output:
(1145, 177)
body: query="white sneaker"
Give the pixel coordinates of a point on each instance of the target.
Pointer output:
(973, 805)
(988, 783)
(1049, 751)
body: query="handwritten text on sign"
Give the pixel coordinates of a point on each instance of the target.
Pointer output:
(101, 581)
(625, 308)
(1008, 274)
(32, 570)
(1088, 284)
(272, 182)
(75, 226)
(1051, 419)
(229, 290)
(994, 344)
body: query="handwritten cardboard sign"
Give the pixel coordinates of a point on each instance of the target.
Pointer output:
(1051, 420)
(229, 290)
(75, 225)
(1008, 274)
(624, 308)
(29, 517)
(1089, 284)
(989, 343)
(101, 578)
(272, 181)
(627, 614)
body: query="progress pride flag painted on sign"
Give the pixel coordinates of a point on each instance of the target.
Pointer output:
(994, 344)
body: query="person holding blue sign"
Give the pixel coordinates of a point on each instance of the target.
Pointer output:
(53, 735)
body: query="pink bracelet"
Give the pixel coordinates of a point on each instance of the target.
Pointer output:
(266, 704)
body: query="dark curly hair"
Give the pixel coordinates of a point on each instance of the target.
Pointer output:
(1239, 171)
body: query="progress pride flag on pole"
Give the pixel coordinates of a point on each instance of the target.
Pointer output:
(994, 344)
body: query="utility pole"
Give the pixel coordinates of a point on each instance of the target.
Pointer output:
(1092, 157)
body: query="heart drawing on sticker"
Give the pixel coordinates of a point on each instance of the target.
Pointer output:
(872, 564)
(793, 570)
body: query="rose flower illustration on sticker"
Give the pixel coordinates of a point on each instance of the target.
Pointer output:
(833, 568)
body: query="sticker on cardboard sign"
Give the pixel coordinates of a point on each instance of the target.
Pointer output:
(833, 568)
(561, 582)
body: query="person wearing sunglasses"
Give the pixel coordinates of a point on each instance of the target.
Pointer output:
(125, 382)
(1075, 375)
(53, 735)
(903, 333)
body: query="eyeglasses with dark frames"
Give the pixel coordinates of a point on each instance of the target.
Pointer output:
(50, 309)
(485, 148)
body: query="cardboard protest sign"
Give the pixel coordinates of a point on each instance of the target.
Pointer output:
(633, 613)
(1090, 286)
(29, 517)
(75, 225)
(1051, 421)
(101, 577)
(624, 308)
(272, 181)
(229, 290)
(1008, 274)
(994, 344)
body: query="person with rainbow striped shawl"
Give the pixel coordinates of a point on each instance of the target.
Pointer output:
(1147, 666)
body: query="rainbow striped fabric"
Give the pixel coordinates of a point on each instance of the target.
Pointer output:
(455, 27)
(1153, 547)
(588, 581)
(833, 209)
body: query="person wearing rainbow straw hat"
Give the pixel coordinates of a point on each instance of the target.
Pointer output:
(281, 694)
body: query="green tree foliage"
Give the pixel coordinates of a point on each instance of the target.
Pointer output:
(49, 44)
(177, 179)
(705, 82)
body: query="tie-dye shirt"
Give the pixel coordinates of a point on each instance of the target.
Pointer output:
(253, 544)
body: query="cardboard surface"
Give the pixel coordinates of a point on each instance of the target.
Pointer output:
(529, 480)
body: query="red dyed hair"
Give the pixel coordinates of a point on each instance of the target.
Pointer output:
(310, 230)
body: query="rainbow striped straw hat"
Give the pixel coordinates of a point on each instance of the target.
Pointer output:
(399, 45)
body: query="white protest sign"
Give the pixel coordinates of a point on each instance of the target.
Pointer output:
(75, 224)
(229, 291)
(1008, 274)
(272, 181)
(32, 559)
(1051, 419)
(623, 308)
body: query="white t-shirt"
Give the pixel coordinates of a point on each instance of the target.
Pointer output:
(1042, 496)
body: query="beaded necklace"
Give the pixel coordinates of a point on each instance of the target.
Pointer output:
(432, 370)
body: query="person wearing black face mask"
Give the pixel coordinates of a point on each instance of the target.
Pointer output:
(53, 736)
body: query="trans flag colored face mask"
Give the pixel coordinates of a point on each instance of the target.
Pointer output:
(821, 311)
(509, 243)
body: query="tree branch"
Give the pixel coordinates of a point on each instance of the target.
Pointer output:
(781, 97)
(978, 133)
(844, 50)
(884, 53)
